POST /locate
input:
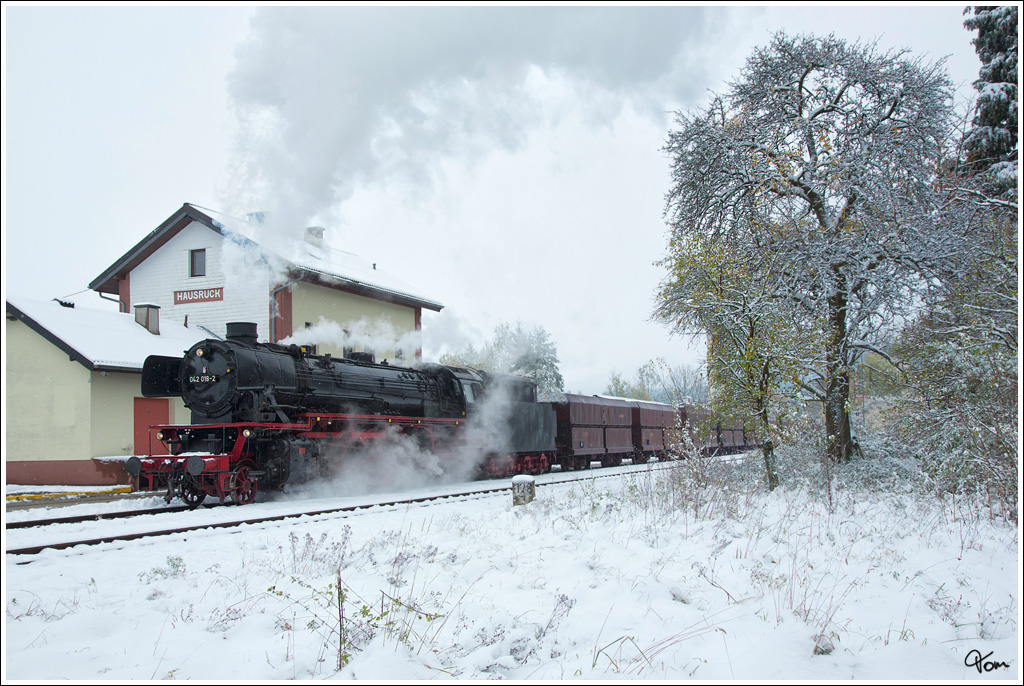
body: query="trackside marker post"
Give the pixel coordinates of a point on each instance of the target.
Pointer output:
(524, 488)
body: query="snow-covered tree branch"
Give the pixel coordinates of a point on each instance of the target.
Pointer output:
(821, 153)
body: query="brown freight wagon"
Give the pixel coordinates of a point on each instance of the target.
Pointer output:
(650, 421)
(592, 428)
(713, 437)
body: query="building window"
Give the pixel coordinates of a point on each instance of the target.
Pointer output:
(197, 263)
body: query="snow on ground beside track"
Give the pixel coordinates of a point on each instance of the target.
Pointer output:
(640, 578)
(299, 498)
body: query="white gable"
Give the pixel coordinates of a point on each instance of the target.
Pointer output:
(235, 287)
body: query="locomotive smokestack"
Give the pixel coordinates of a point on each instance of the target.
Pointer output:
(243, 332)
(148, 315)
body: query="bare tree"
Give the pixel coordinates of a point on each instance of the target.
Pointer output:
(820, 154)
(530, 353)
(661, 382)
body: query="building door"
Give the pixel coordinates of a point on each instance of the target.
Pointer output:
(150, 412)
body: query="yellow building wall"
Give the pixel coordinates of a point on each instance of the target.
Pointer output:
(113, 415)
(113, 418)
(311, 302)
(59, 410)
(48, 400)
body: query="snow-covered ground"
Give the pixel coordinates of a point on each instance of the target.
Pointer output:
(640, 578)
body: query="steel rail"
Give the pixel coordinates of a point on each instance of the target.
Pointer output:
(96, 517)
(480, 492)
(32, 550)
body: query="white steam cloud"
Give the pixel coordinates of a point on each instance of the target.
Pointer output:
(247, 269)
(401, 461)
(444, 332)
(329, 98)
(447, 332)
(378, 335)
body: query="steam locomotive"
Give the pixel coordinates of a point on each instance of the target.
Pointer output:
(265, 415)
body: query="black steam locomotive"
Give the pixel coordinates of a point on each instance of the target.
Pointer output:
(264, 415)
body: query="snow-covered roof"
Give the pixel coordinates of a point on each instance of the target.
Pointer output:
(327, 265)
(102, 339)
(334, 265)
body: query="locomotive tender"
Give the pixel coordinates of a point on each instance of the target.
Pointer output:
(265, 415)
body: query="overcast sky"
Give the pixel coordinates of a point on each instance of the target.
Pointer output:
(505, 161)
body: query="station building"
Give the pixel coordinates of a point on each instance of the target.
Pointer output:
(75, 410)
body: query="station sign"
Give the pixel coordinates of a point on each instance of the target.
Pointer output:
(198, 295)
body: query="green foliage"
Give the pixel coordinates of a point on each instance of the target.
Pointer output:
(621, 388)
(175, 569)
(878, 377)
(992, 142)
(959, 354)
(749, 330)
(962, 413)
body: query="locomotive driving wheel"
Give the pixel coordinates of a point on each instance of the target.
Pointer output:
(192, 496)
(243, 485)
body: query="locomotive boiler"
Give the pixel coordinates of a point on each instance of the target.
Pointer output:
(240, 380)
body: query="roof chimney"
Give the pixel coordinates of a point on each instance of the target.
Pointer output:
(148, 315)
(315, 236)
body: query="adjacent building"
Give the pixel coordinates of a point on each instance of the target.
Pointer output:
(74, 407)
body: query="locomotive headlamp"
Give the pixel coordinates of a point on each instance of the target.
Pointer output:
(159, 435)
(199, 352)
(247, 432)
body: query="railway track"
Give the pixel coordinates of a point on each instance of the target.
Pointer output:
(481, 491)
(97, 517)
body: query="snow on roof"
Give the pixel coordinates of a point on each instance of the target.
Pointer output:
(103, 339)
(331, 263)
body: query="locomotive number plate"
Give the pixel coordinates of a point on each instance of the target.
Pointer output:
(202, 378)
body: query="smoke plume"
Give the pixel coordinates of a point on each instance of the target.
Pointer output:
(328, 98)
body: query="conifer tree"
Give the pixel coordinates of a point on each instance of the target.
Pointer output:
(992, 142)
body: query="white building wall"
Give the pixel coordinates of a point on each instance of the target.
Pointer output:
(245, 288)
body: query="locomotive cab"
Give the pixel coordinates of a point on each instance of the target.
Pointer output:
(478, 386)
(472, 385)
